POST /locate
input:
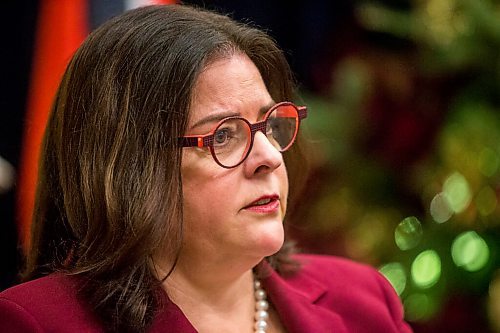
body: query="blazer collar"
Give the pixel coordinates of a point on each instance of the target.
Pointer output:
(295, 298)
(297, 301)
(170, 318)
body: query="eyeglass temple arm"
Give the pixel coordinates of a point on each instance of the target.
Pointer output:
(195, 141)
(302, 110)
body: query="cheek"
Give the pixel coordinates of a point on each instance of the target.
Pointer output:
(205, 188)
(282, 177)
(194, 209)
(206, 215)
(204, 200)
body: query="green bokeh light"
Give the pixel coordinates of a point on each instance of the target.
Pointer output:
(440, 209)
(470, 251)
(395, 273)
(408, 233)
(488, 162)
(486, 201)
(419, 307)
(426, 269)
(457, 192)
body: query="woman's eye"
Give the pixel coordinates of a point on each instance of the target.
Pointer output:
(221, 136)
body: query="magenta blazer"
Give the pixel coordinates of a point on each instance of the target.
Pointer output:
(327, 295)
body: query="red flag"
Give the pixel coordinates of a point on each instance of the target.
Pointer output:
(62, 26)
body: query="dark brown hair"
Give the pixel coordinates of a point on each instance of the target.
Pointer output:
(110, 192)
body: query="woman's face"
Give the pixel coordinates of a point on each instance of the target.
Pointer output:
(222, 216)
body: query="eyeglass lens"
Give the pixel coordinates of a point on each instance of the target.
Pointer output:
(233, 137)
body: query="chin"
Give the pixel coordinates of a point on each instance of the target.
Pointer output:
(271, 242)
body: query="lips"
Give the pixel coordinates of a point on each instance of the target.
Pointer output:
(264, 204)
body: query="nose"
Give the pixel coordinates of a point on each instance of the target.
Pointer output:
(263, 157)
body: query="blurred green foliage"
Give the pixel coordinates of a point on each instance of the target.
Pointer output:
(419, 196)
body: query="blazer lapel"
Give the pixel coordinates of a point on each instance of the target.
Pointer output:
(297, 308)
(170, 318)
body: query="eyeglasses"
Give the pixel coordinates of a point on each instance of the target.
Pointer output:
(231, 141)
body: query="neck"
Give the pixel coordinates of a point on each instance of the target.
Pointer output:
(215, 288)
(226, 305)
(209, 273)
(213, 293)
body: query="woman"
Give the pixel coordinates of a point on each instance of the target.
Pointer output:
(163, 190)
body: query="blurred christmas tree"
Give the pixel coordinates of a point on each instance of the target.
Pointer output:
(406, 159)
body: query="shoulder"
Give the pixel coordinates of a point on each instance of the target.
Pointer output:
(344, 279)
(56, 285)
(48, 304)
(317, 265)
(353, 290)
(337, 272)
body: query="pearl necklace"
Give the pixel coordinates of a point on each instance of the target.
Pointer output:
(261, 306)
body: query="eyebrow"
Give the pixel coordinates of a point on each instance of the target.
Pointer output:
(219, 116)
(214, 118)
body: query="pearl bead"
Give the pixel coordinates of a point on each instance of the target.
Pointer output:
(260, 331)
(256, 284)
(261, 315)
(261, 325)
(260, 294)
(261, 305)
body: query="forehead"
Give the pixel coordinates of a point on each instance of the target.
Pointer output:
(230, 84)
